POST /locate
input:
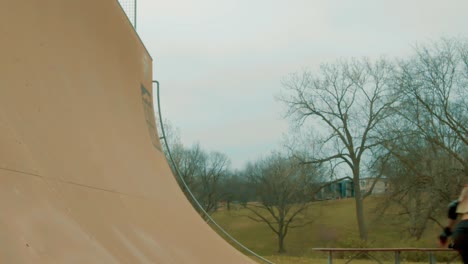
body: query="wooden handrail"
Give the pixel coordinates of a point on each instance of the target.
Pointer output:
(397, 251)
(383, 249)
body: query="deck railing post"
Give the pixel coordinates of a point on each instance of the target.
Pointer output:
(397, 257)
(330, 261)
(432, 259)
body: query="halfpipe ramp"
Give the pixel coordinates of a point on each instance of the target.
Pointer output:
(82, 176)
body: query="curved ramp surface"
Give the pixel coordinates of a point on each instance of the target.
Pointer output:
(82, 177)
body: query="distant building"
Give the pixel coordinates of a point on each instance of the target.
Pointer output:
(380, 187)
(342, 188)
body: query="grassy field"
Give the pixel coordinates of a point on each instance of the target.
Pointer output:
(334, 225)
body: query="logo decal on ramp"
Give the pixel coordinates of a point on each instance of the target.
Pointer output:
(148, 108)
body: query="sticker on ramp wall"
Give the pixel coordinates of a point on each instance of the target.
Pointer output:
(148, 108)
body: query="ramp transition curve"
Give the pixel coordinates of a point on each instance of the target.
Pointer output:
(82, 176)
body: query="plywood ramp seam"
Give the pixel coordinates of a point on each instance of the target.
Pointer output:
(72, 183)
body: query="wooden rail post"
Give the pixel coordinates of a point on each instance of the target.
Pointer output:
(397, 257)
(432, 259)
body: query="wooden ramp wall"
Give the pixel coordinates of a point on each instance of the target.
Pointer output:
(82, 177)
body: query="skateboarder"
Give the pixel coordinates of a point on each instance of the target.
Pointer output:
(457, 208)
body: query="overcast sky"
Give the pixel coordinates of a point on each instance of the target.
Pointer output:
(220, 62)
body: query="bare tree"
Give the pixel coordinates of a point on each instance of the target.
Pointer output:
(237, 188)
(185, 165)
(417, 187)
(435, 85)
(348, 100)
(198, 173)
(174, 148)
(428, 151)
(213, 170)
(284, 191)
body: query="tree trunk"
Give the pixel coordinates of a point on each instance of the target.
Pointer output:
(359, 207)
(281, 248)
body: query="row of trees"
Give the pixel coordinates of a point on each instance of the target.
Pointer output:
(276, 189)
(202, 175)
(405, 120)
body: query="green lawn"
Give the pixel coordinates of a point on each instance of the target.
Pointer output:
(334, 225)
